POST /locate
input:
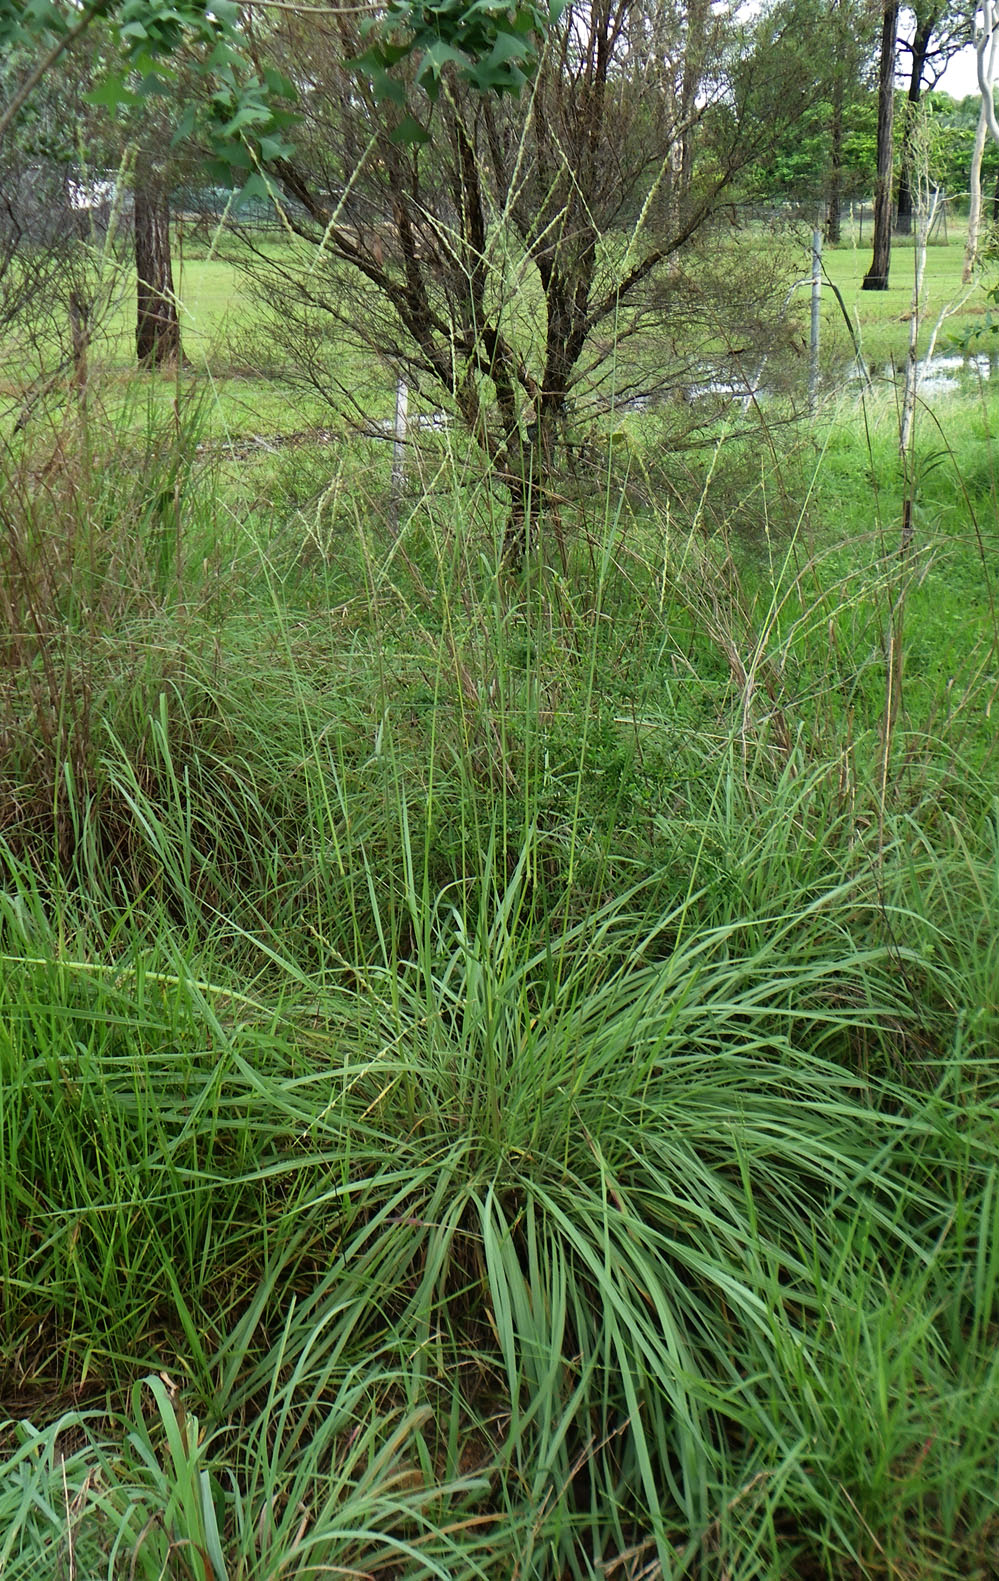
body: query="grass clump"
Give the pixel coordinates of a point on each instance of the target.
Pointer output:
(497, 1068)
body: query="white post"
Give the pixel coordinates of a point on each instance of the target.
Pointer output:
(813, 342)
(926, 213)
(399, 439)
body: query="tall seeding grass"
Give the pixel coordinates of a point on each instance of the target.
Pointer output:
(497, 1070)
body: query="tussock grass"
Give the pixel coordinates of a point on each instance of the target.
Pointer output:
(497, 1070)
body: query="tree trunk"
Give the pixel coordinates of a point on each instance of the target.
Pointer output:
(920, 50)
(157, 328)
(903, 211)
(975, 205)
(876, 278)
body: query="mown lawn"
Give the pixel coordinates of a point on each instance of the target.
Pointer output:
(883, 316)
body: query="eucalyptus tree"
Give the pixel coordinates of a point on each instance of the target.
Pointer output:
(849, 56)
(825, 157)
(157, 320)
(987, 55)
(876, 278)
(938, 31)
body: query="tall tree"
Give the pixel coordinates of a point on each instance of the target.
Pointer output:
(847, 53)
(876, 278)
(157, 326)
(987, 53)
(822, 160)
(939, 31)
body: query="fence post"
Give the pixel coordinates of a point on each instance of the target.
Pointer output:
(813, 339)
(399, 441)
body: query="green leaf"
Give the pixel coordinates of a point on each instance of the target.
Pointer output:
(508, 47)
(112, 93)
(272, 148)
(246, 115)
(185, 126)
(409, 130)
(386, 89)
(41, 15)
(278, 85)
(156, 83)
(254, 189)
(438, 56)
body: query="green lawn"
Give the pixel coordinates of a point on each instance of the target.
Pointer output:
(883, 316)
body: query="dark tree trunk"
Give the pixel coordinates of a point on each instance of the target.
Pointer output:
(920, 50)
(157, 328)
(903, 211)
(876, 278)
(995, 201)
(834, 193)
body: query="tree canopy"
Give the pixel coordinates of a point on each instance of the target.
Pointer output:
(245, 105)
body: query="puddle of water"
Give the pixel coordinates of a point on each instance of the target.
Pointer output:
(944, 374)
(941, 375)
(728, 389)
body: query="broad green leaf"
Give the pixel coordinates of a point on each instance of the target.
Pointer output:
(112, 93)
(409, 130)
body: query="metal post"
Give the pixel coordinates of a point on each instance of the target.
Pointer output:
(813, 341)
(399, 439)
